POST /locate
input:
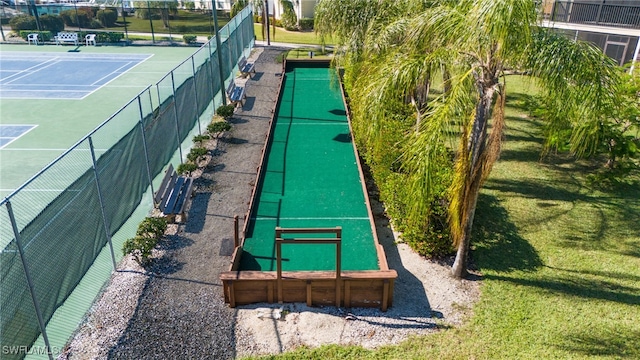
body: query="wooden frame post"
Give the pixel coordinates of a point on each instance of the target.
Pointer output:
(337, 240)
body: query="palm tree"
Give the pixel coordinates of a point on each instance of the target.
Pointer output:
(480, 42)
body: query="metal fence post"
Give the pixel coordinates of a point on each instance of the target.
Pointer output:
(36, 305)
(210, 74)
(195, 90)
(144, 145)
(175, 111)
(217, 30)
(105, 221)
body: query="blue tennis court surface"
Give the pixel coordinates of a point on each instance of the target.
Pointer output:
(8, 133)
(60, 75)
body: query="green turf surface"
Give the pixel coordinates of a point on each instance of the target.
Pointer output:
(311, 180)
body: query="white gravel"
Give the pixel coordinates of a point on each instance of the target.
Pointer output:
(426, 299)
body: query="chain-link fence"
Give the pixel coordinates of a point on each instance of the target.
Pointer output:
(54, 228)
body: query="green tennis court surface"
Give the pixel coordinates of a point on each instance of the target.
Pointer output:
(56, 124)
(311, 180)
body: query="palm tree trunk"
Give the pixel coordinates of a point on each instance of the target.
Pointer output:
(459, 268)
(475, 149)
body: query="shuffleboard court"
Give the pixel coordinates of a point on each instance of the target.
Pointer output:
(311, 180)
(60, 75)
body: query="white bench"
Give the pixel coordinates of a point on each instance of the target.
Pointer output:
(66, 37)
(246, 68)
(235, 93)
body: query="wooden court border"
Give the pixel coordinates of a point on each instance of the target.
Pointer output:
(368, 288)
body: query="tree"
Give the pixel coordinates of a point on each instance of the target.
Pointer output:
(237, 7)
(151, 9)
(480, 42)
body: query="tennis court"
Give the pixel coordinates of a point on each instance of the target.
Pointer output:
(311, 179)
(66, 75)
(51, 97)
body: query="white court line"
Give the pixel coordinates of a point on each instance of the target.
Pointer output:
(17, 137)
(41, 190)
(310, 218)
(27, 149)
(319, 123)
(27, 71)
(115, 77)
(109, 74)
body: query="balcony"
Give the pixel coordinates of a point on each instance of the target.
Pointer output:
(612, 13)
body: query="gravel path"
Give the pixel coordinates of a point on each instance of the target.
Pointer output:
(176, 310)
(178, 307)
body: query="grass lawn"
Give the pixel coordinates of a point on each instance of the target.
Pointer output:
(560, 260)
(292, 37)
(187, 22)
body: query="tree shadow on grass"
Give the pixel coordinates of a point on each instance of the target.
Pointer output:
(498, 244)
(620, 342)
(582, 287)
(612, 213)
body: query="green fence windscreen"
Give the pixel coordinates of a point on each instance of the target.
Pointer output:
(66, 214)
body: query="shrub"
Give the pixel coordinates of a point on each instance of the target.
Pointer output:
(226, 111)
(94, 24)
(190, 5)
(189, 38)
(152, 227)
(186, 168)
(289, 20)
(110, 37)
(218, 127)
(43, 35)
(81, 18)
(107, 17)
(306, 24)
(52, 23)
(196, 154)
(149, 232)
(198, 139)
(23, 22)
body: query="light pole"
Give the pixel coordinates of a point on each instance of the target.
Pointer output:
(153, 37)
(266, 12)
(124, 19)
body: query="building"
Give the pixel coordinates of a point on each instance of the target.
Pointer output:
(613, 25)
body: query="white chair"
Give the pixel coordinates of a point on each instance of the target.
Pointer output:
(90, 39)
(32, 38)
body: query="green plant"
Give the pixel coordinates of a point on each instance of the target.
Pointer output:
(196, 154)
(52, 23)
(199, 139)
(81, 17)
(237, 6)
(149, 232)
(23, 22)
(289, 20)
(189, 38)
(107, 17)
(305, 24)
(43, 35)
(152, 227)
(186, 168)
(226, 111)
(218, 127)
